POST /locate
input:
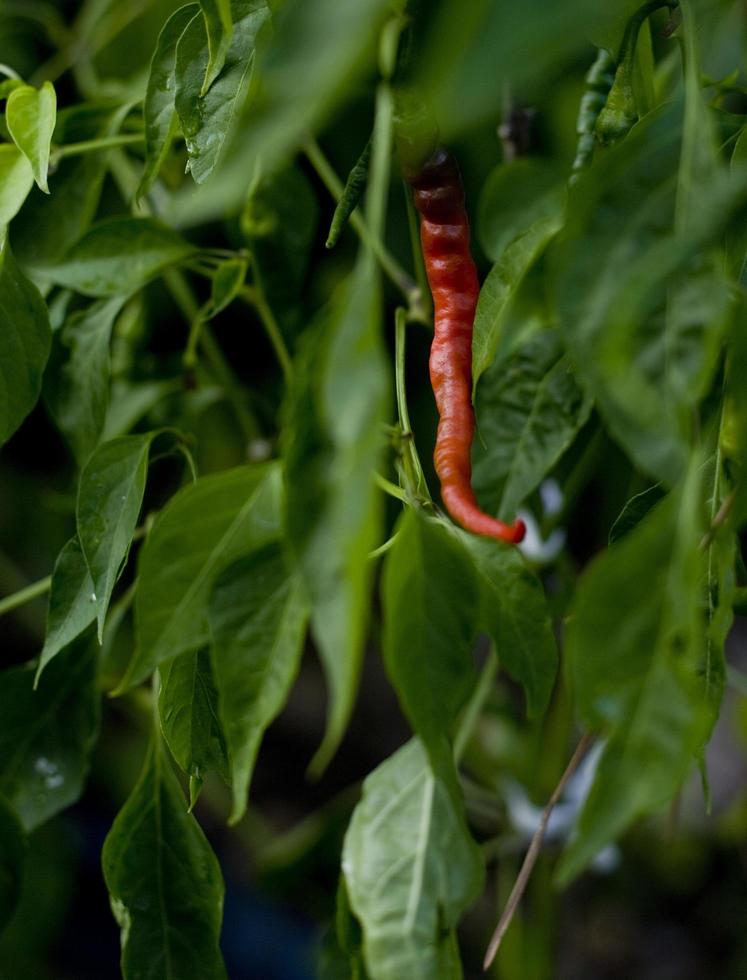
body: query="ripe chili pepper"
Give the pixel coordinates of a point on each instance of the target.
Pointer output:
(444, 232)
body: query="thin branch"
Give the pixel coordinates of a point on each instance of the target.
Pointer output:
(533, 853)
(401, 279)
(255, 296)
(20, 598)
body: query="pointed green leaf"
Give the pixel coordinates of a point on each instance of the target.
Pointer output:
(117, 257)
(514, 613)
(333, 446)
(258, 617)
(31, 115)
(164, 882)
(188, 709)
(642, 306)
(227, 281)
(13, 848)
(159, 113)
(206, 116)
(110, 494)
(634, 511)
(318, 52)
(227, 515)
(25, 338)
(72, 602)
(16, 180)
(430, 601)
(502, 284)
(76, 385)
(411, 870)
(515, 196)
(50, 224)
(636, 651)
(46, 735)
(529, 409)
(219, 26)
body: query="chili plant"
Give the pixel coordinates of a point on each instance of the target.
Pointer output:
(218, 469)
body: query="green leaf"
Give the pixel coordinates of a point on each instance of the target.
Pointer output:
(110, 495)
(117, 257)
(31, 114)
(159, 112)
(699, 159)
(634, 511)
(411, 870)
(16, 180)
(501, 286)
(319, 49)
(228, 515)
(527, 45)
(279, 224)
(13, 847)
(72, 603)
(206, 116)
(219, 26)
(76, 385)
(164, 882)
(258, 617)
(318, 52)
(227, 281)
(514, 613)
(636, 651)
(430, 601)
(49, 224)
(25, 339)
(333, 444)
(642, 306)
(188, 709)
(46, 735)
(515, 196)
(529, 409)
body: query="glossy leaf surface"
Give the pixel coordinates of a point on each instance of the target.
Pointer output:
(164, 882)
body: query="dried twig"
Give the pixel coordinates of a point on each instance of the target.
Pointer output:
(533, 853)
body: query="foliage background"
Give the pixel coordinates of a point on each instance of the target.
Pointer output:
(671, 901)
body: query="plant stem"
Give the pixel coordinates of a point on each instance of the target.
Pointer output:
(254, 295)
(391, 488)
(25, 595)
(401, 279)
(533, 853)
(411, 460)
(91, 146)
(475, 704)
(426, 303)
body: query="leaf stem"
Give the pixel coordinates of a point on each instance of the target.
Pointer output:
(255, 296)
(411, 461)
(391, 488)
(533, 852)
(91, 146)
(25, 595)
(475, 704)
(401, 279)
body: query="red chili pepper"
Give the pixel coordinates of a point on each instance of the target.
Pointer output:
(444, 232)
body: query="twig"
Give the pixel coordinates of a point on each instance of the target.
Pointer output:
(25, 595)
(401, 279)
(533, 853)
